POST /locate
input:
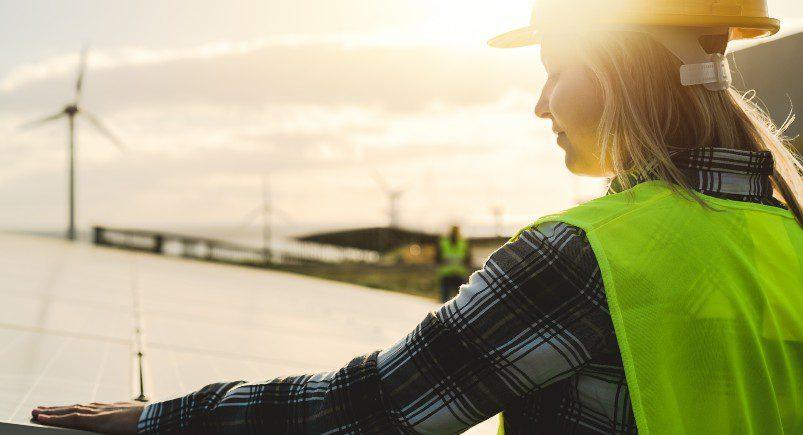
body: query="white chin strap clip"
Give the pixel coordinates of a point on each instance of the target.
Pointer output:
(715, 75)
(699, 67)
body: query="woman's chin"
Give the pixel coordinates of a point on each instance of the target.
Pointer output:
(579, 167)
(570, 157)
(571, 163)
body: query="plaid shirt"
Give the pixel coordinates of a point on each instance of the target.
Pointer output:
(530, 335)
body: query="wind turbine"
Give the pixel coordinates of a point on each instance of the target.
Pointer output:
(499, 214)
(266, 210)
(394, 195)
(71, 111)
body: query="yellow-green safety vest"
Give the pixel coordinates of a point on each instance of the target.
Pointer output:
(453, 257)
(707, 305)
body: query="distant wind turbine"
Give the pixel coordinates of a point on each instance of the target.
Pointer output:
(394, 195)
(266, 210)
(499, 214)
(71, 111)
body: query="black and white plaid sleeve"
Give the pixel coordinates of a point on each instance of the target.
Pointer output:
(346, 401)
(527, 319)
(530, 317)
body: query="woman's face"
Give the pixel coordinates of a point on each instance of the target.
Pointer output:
(572, 100)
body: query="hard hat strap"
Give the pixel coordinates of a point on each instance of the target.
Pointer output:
(699, 67)
(715, 75)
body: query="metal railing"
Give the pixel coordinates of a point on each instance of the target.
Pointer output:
(208, 249)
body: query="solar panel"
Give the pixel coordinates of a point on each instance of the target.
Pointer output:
(68, 313)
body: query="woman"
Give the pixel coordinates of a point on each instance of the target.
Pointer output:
(673, 304)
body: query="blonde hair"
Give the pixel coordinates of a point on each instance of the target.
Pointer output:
(647, 114)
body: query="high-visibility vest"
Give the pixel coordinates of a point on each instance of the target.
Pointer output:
(453, 257)
(707, 305)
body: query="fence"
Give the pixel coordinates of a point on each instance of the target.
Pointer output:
(208, 249)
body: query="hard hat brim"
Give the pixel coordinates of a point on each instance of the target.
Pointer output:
(516, 38)
(743, 27)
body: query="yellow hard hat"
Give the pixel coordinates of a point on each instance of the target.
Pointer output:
(742, 19)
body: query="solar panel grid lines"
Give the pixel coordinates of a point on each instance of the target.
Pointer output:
(68, 315)
(50, 360)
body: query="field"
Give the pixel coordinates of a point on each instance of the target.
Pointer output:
(418, 280)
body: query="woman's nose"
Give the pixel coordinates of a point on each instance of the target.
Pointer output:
(542, 107)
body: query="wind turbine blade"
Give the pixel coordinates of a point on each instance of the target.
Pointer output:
(103, 129)
(405, 187)
(251, 216)
(79, 82)
(380, 181)
(286, 216)
(38, 122)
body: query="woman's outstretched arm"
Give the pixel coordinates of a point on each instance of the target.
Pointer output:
(528, 318)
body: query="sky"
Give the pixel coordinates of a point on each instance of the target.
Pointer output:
(320, 95)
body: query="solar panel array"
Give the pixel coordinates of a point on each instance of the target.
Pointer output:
(68, 313)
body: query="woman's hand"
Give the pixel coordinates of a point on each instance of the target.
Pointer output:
(113, 418)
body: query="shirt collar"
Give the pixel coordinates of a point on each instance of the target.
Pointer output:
(725, 173)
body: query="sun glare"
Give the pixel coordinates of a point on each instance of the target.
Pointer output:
(455, 22)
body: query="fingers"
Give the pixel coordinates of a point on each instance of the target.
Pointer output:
(119, 417)
(61, 410)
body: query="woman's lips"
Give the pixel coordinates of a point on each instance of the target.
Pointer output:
(561, 135)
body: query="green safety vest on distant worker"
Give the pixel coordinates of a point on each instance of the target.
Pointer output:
(707, 305)
(453, 257)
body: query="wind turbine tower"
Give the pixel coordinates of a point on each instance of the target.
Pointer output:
(266, 211)
(267, 220)
(499, 214)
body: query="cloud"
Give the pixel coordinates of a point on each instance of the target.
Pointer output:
(65, 65)
(259, 73)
